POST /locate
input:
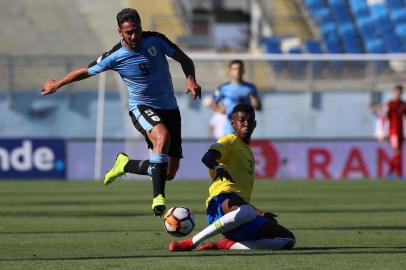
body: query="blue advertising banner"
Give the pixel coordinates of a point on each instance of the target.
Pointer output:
(32, 158)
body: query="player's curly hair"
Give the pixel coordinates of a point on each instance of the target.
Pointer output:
(243, 107)
(128, 14)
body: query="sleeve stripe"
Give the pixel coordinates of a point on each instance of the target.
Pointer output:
(104, 55)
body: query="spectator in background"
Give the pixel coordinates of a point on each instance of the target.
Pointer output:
(395, 111)
(217, 121)
(236, 91)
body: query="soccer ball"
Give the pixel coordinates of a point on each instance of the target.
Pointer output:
(179, 221)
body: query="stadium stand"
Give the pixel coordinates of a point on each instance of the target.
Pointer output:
(363, 26)
(90, 29)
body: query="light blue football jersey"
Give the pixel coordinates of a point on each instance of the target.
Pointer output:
(232, 94)
(145, 71)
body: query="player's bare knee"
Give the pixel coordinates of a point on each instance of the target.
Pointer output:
(162, 142)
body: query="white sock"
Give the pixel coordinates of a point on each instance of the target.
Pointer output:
(277, 243)
(229, 221)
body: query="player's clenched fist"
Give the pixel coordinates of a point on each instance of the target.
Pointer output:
(49, 87)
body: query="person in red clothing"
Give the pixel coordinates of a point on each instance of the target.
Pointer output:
(396, 110)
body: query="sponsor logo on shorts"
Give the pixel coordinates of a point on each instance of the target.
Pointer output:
(156, 118)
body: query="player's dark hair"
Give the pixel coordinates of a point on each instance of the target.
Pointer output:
(243, 107)
(236, 61)
(399, 87)
(128, 14)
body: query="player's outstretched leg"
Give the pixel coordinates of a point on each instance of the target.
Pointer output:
(181, 245)
(223, 243)
(117, 170)
(264, 243)
(229, 221)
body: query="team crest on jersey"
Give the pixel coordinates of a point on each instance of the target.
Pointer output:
(152, 51)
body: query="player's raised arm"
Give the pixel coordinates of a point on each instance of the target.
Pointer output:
(51, 86)
(189, 69)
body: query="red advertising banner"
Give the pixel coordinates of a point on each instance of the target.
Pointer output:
(274, 160)
(327, 160)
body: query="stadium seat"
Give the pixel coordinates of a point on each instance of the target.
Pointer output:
(341, 14)
(395, 4)
(333, 46)
(398, 15)
(400, 30)
(273, 46)
(366, 27)
(327, 28)
(296, 65)
(393, 43)
(314, 47)
(358, 8)
(347, 30)
(322, 15)
(378, 10)
(374, 45)
(314, 4)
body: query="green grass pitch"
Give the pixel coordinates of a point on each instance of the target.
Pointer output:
(85, 225)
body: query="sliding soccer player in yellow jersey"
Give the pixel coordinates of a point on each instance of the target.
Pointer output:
(232, 168)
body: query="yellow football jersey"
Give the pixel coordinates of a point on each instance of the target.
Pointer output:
(237, 159)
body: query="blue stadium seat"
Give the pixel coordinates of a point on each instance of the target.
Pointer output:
(383, 24)
(336, 2)
(366, 27)
(322, 15)
(358, 7)
(395, 4)
(314, 46)
(327, 28)
(341, 14)
(333, 46)
(296, 65)
(398, 15)
(352, 45)
(374, 45)
(400, 30)
(393, 43)
(273, 46)
(378, 10)
(314, 4)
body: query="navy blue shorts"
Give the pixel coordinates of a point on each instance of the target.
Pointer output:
(245, 232)
(144, 119)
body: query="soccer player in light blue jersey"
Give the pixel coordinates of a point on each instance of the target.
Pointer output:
(236, 91)
(140, 59)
